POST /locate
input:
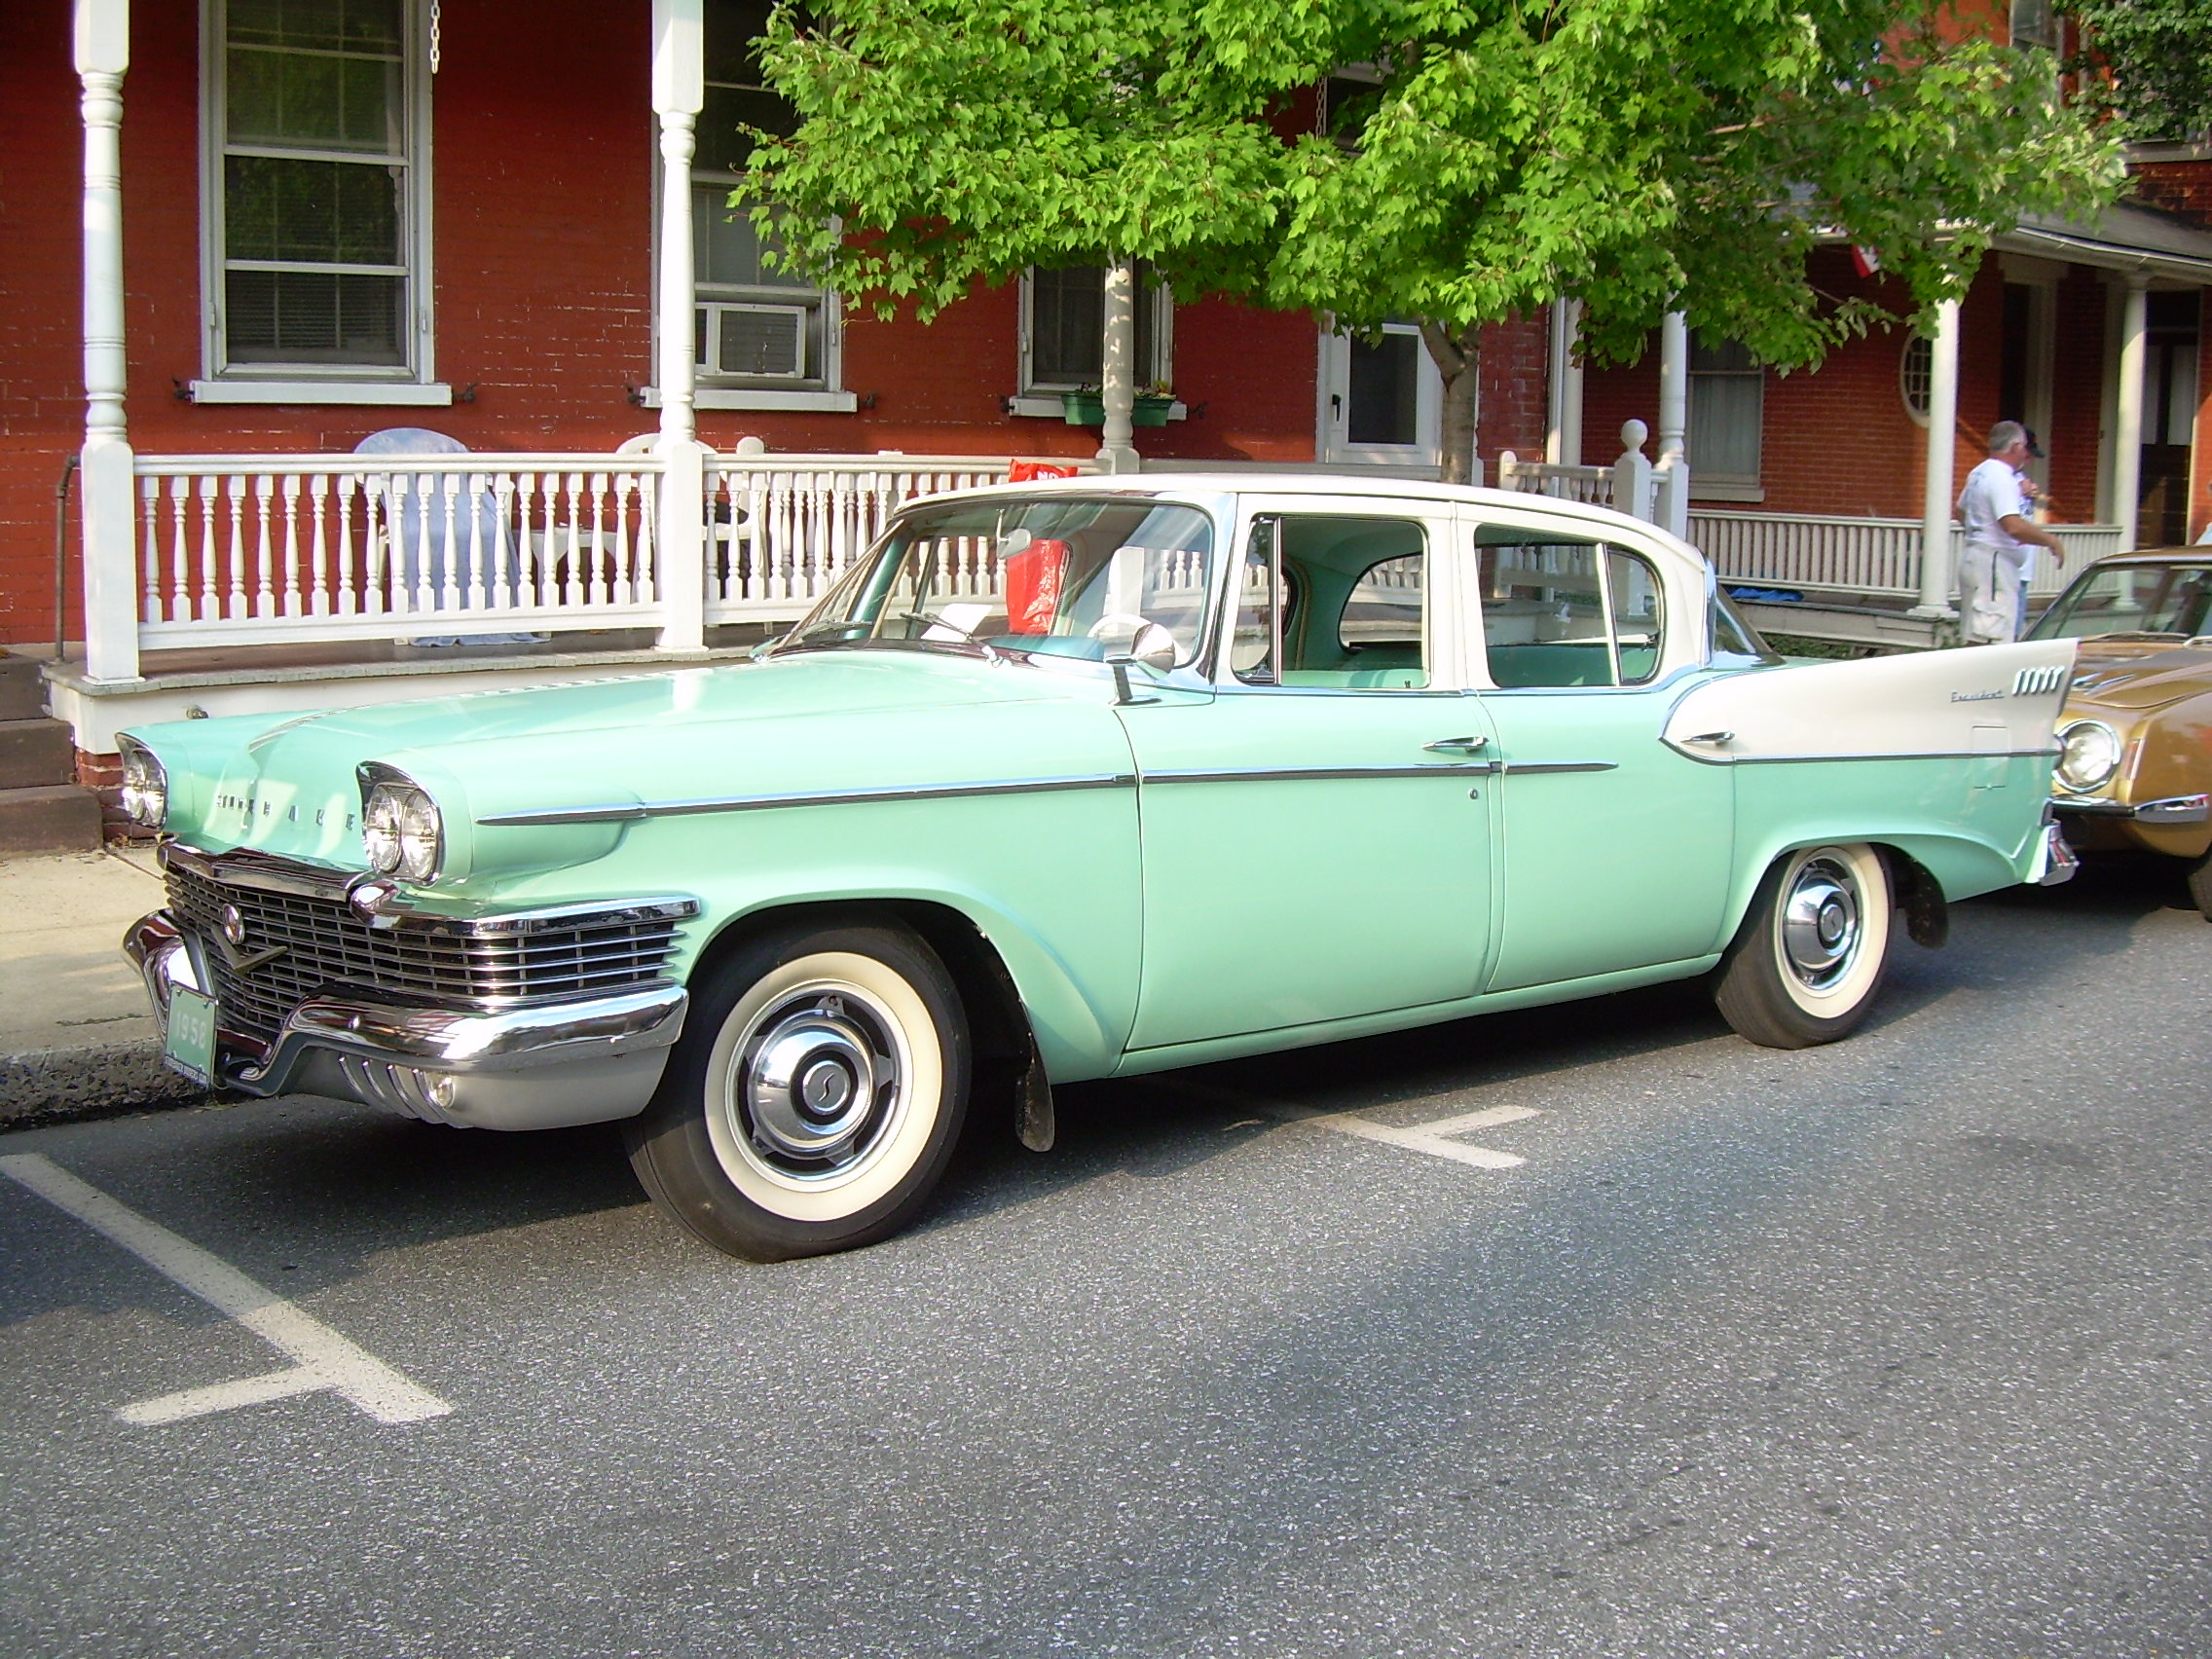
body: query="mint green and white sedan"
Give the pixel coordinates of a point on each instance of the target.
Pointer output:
(1075, 780)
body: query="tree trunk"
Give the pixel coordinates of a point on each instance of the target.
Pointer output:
(1457, 356)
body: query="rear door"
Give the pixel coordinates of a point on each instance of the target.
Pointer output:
(1616, 849)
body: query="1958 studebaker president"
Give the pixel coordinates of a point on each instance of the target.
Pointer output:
(1065, 781)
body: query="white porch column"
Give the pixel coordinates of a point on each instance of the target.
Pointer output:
(1672, 509)
(1674, 385)
(1117, 448)
(1936, 501)
(679, 89)
(1563, 437)
(2128, 423)
(110, 552)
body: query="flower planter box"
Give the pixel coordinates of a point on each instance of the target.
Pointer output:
(1088, 409)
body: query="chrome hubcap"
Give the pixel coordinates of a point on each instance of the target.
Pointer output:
(1821, 924)
(817, 1083)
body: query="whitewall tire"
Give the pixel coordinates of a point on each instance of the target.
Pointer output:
(816, 1097)
(1812, 953)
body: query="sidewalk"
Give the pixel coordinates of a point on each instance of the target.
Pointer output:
(77, 1038)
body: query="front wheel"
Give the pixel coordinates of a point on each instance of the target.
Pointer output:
(1811, 955)
(2200, 885)
(815, 1098)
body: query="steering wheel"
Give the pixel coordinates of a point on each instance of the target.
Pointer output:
(1149, 642)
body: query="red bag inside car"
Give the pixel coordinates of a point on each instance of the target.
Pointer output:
(1033, 578)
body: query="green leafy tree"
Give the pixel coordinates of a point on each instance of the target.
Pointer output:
(1635, 153)
(2149, 62)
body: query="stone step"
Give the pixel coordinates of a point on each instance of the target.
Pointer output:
(35, 752)
(55, 818)
(22, 694)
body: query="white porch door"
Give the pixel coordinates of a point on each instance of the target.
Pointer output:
(1380, 403)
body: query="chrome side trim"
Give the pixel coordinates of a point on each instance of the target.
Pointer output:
(616, 812)
(1529, 768)
(1313, 774)
(2174, 809)
(1713, 759)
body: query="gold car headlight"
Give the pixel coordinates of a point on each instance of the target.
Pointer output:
(145, 784)
(2088, 755)
(401, 829)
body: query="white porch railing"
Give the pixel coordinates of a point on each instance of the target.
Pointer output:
(781, 531)
(238, 550)
(1860, 557)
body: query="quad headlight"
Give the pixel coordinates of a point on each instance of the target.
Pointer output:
(400, 826)
(145, 786)
(2088, 755)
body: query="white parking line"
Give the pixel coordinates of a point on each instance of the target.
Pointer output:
(1430, 1138)
(325, 1359)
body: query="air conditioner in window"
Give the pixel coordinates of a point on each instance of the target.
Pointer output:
(756, 341)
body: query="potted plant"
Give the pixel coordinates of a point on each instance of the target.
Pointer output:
(1152, 405)
(1084, 407)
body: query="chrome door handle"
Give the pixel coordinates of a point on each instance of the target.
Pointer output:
(1457, 745)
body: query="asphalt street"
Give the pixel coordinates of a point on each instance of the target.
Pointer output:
(1897, 1346)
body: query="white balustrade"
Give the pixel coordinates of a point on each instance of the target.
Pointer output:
(782, 529)
(1591, 485)
(1870, 558)
(241, 550)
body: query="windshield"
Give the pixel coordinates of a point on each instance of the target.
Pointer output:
(1050, 575)
(2131, 598)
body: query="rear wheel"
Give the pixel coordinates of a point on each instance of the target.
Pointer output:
(815, 1095)
(1810, 957)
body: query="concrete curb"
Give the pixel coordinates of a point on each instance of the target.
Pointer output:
(73, 1086)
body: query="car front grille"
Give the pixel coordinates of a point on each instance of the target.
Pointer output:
(319, 942)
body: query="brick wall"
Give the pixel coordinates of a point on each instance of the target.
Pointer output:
(1516, 390)
(543, 224)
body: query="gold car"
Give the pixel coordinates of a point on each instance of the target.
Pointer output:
(2135, 736)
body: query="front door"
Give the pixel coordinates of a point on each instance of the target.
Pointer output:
(1382, 399)
(1618, 849)
(1316, 837)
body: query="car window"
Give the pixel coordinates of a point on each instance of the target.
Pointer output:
(2132, 599)
(1350, 613)
(1560, 611)
(1054, 576)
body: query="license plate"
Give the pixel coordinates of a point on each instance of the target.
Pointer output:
(190, 1045)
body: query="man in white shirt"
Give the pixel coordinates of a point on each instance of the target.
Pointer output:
(1999, 536)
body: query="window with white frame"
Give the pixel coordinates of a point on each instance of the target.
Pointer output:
(1727, 407)
(754, 326)
(2035, 23)
(1063, 321)
(317, 222)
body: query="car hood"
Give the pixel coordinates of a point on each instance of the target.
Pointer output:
(814, 722)
(2138, 676)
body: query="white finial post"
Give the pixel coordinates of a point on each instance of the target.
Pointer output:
(1632, 473)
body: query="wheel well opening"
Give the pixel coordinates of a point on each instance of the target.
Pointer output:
(1919, 895)
(998, 1029)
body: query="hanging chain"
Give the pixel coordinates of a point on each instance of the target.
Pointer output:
(437, 16)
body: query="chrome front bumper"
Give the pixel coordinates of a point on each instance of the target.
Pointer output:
(2174, 809)
(543, 1066)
